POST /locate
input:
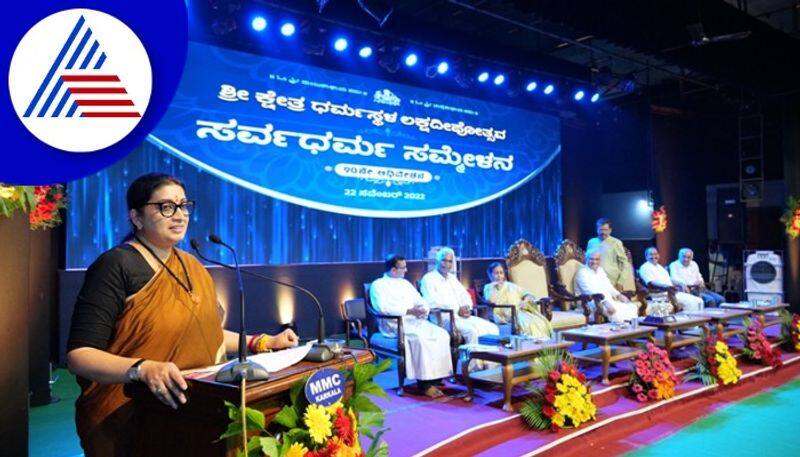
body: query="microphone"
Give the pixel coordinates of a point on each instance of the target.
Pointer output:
(243, 368)
(320, 352)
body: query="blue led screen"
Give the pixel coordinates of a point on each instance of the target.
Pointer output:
(293, 163)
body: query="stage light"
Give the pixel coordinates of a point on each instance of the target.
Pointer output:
(365, 52)
(579, 95)
(340, 44)
(531, 86)
(442, 67)
(549, 89)
(411, 59)
(499, 79)
(288, 29)
(595, 97)
(483, 77)
(258, 23)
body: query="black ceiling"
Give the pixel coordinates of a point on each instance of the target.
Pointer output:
(605, 42)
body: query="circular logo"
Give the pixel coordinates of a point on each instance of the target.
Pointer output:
(325, 387)
(80, 80)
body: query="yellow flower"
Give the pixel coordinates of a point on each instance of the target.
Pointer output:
(333, 408)
(6, 191)
(558, 419)
(296, 450)
(318, 422)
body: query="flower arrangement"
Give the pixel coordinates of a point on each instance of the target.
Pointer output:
(654, 376)
(790, 330)
(658, 220)
(42, 203)
(301, 429)
(565, 400)
(791, 218)
(715, 363)
(757, 348)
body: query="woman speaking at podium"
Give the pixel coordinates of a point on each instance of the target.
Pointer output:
(146, 311)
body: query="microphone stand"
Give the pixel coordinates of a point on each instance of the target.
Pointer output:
(240, 369)
(320, 352)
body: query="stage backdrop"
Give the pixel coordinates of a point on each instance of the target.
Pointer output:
(293, 163)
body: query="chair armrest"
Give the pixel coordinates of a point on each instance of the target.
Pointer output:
(400, 332)
(546, 306)
(454, 335)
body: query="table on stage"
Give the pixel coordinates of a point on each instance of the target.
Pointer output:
(670, 337)
(193, 428)
(720, 320)
(605, 336)
(509, 375)
(760, 311)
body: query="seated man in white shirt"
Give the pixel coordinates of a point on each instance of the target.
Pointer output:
(592, 279)
(427, 346)
(654, 274)
(443, 290)
(685, 273)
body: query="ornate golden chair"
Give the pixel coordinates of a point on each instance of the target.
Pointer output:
(527, 267)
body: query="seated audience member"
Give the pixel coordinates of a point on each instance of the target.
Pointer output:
(443, 290)
(654, 274)
(685, 273)
(427, 345)
(591, 279)
(499, 291)
(613, 257)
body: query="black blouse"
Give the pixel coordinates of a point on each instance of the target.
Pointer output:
(118, 273)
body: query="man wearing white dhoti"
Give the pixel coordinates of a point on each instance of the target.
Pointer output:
(653, 273)
(685, 273)
(442, 289)
(427, 346)
(592, 279)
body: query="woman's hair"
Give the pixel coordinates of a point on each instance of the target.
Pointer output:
(494, 265)
(141, 190)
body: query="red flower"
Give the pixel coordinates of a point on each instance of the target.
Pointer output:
(548, 411)
(343, 427)
(581, 377)
(550, 397)
(641, 397)
(555, 375)
(637, 388)
(652, 393)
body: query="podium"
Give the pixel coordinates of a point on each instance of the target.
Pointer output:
(192, 429)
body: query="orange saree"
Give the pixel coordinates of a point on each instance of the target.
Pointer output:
(160, 322)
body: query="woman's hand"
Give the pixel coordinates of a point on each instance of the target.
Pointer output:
(464, 311)
(165, 381)
(285, 339)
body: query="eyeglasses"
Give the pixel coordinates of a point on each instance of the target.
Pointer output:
(168, 209)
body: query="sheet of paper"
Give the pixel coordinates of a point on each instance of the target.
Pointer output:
(271, 361)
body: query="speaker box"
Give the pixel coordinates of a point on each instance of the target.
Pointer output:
(730, 216)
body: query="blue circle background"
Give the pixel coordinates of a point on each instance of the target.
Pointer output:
(160, 25)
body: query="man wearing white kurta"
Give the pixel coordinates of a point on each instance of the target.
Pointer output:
(592, 279)
(442, 289)
(653, 273)
(685, 273)
(427, 346)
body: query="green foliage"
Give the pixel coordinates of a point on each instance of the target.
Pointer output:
(531, 412)
(700, 370)
(288, 427)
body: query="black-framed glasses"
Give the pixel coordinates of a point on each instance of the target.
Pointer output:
(167, 209)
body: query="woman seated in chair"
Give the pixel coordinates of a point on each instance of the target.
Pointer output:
(530, 321)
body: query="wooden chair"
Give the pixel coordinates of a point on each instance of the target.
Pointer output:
(354, 314)
(506, 328)
(527, 267)
(568, 259)
(394, 347)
